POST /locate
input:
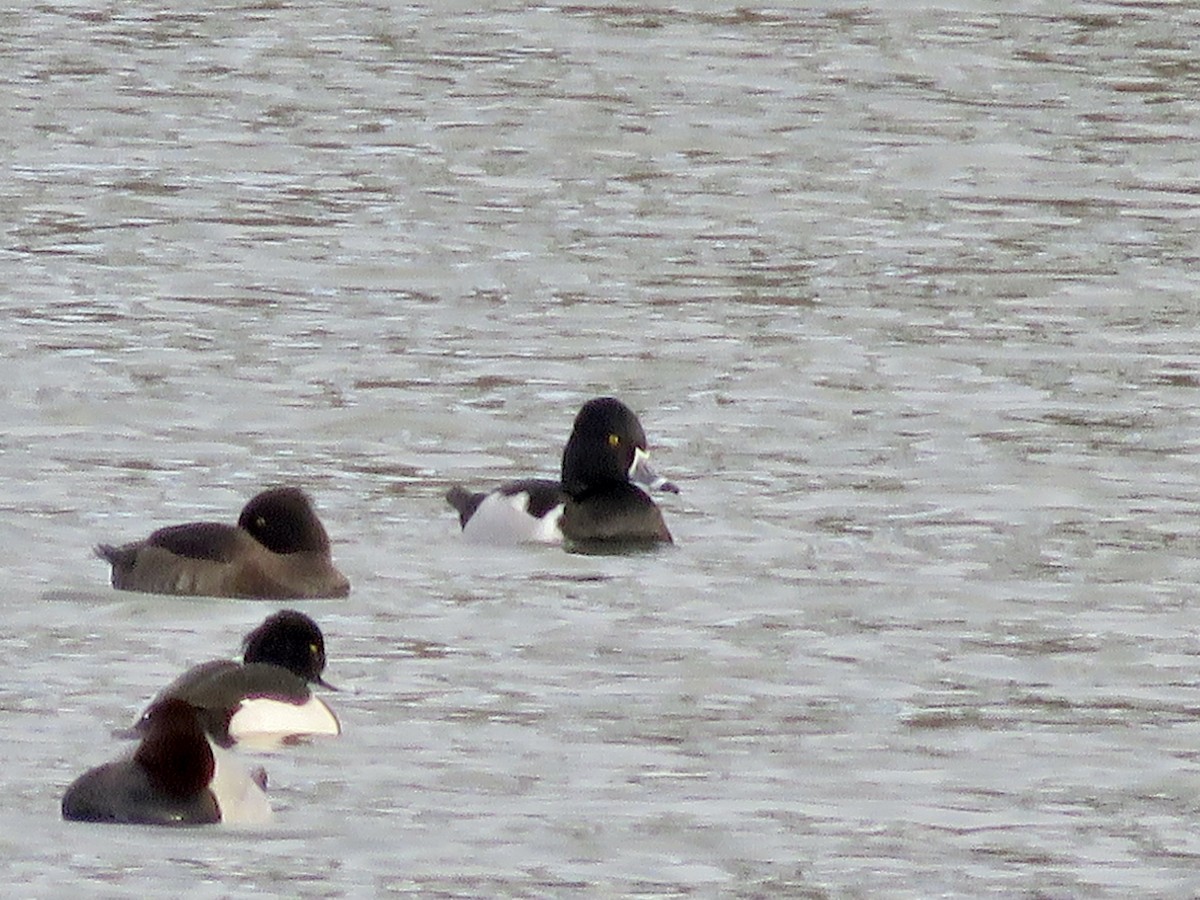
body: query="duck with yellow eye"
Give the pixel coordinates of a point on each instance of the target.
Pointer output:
(266, 699)
(596, 507)
(603, 464)
(278, 550)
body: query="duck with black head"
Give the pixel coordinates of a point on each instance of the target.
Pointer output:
(278, 550)
(266, 699)
(599, 504)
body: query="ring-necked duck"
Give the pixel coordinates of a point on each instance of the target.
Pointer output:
(277, 550)
(176, 776)
(265, 699)
(597, 503)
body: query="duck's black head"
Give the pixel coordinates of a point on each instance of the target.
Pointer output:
(289, 639)
(283, 520)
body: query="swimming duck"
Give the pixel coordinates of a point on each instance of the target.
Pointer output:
(277, 550)
(265, 699)
(176, 776)
(596, 503)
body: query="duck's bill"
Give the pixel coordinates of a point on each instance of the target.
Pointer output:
(323, 683)
(132, 733)
(641, 472)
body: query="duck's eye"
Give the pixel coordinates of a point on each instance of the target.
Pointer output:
(261, 522)
(312, 648)
(614, 440)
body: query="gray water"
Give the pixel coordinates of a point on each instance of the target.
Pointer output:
(907, 301)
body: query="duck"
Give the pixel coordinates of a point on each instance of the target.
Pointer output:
(278, 550)
(264, 700)
(176, 776)
(599, 501)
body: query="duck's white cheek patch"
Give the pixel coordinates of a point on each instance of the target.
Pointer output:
(239, 797)
(266, 719)
(504, 519)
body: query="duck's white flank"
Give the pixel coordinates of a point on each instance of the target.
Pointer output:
(239, 797)
(504, 519)
(261, 719)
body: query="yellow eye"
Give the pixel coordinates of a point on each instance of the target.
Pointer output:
(614, 440)
(261, 522)
(312, 648)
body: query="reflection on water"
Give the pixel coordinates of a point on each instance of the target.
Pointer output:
(906, 299)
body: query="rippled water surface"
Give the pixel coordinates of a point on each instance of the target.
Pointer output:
(906, 298)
